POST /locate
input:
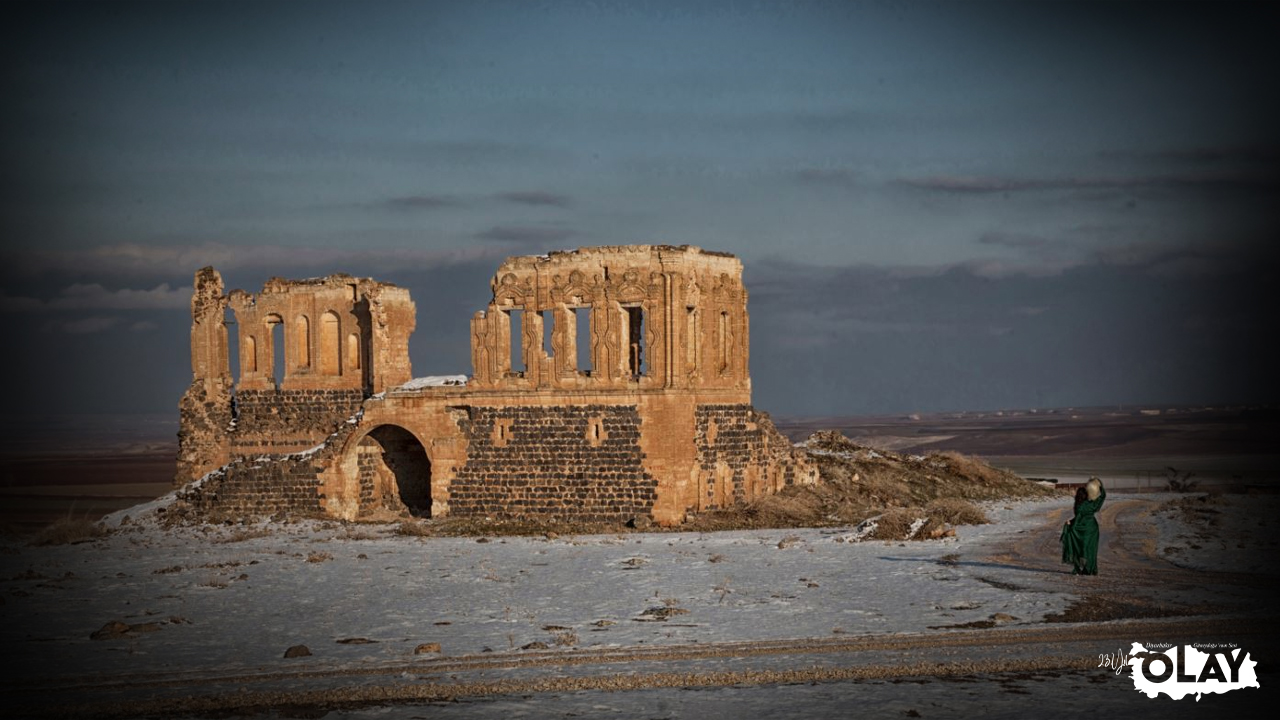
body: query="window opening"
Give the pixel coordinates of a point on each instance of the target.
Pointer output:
(233, 346)
(582, 338)
(516, 321)
(722, 333)
(635, 341)
(275, 330)
(691, 338)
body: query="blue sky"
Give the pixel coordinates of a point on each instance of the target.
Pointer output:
(940, 205)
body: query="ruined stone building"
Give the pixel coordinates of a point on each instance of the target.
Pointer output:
(608, 383)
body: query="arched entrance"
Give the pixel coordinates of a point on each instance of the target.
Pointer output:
(394, 472)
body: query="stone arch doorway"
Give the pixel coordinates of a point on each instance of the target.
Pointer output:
(394, 473)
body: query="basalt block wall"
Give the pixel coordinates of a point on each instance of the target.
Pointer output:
(557, 463)
(269, 421)
(608, 384)
(272, 485)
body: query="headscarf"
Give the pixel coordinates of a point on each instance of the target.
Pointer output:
(1093, 488)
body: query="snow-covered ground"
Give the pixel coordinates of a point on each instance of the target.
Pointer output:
(241, 603)
(229, 601)
(1232, 533)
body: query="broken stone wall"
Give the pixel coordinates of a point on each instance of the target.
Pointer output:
(310, 352)
(629, 396)
(743, 456)
(650, 317)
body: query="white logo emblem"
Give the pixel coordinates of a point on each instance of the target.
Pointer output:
(1183, 670)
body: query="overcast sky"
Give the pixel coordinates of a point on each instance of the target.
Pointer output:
(940, 206)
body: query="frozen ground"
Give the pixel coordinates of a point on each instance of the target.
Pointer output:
(212, 611)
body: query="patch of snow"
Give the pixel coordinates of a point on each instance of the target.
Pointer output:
(433, 381)
(865, 528)
(915, 527)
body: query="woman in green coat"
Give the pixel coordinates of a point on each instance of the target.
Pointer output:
(1080, 534)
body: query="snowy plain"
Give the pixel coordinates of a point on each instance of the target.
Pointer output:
(227, 601)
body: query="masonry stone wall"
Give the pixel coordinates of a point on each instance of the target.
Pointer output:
(650, 417)
(267, 485)
(271, 420)
(204, 416)
(558, 463)
(742, 455)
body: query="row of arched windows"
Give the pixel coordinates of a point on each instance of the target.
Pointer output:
(330, 356)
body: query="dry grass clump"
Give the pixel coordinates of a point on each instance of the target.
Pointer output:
(970, 468)
(564, 638)
(956, 511)
(896, 524)
(831, 441)
(413, 528)
(858, 483)
(67, 530)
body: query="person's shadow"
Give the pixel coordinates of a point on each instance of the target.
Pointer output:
(971, 563)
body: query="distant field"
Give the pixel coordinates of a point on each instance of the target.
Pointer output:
(1132, 449)
(38, 489)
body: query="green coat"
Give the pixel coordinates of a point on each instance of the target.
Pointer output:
(1080, 537)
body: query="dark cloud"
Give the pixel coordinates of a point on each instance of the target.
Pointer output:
(530, 234)
(132, 260)
(978, 184)
(868, 339)
(536, 197)
(94, 296)
(82, 326)
(1234, 154)
(422, 202)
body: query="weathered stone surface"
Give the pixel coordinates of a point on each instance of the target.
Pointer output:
(297, 651)
(651, 419)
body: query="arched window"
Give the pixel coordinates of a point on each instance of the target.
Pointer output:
(249, 356)
(302, 344)
(329, 339)
(353, 352)
(275, 348)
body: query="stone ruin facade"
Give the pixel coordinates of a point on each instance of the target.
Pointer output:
(608, 384)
